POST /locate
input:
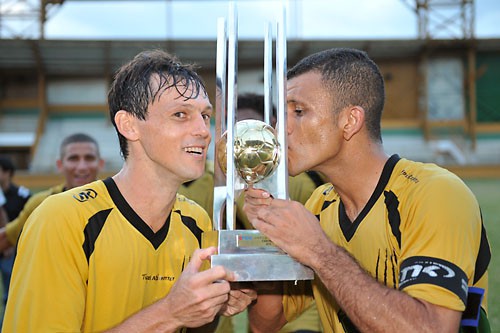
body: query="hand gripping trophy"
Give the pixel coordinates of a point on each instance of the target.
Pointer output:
(249, 152)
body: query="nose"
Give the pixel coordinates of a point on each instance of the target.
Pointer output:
(200, 127)
(82, 164)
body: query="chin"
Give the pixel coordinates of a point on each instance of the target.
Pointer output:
(292, 171)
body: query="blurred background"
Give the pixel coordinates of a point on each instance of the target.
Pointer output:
(440, 60)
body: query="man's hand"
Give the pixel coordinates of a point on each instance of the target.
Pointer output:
(197, 297)
(288, 224)
(240, 297)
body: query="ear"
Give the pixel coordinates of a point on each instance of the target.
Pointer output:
(355, 119)
(59, 164)
(126, 125)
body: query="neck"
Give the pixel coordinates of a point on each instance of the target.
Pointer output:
(356, 178)
(150, 197)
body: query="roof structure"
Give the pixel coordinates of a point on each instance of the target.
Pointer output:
(101, 57)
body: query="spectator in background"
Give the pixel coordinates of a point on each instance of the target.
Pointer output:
(16, 196)
(15, 199)
(79, 162)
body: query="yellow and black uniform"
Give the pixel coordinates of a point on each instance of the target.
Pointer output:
(13, 229)
(300, 188)
(86, 260)
(421, 232)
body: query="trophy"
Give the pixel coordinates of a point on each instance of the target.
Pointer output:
(249, 152)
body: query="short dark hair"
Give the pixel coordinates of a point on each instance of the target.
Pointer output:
(6, 164)
(352, 78)
(133, 91)
(255, 102)
(77, 138)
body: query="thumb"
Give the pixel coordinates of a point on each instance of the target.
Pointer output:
(198, 257)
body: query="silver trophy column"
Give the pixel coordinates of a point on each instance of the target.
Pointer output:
(248, 253)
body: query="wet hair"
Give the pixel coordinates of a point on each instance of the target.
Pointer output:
(141, 82)
(7, 165)
(353, 80)
(76, 138)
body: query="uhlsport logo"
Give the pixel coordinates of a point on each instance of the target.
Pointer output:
(85, 195)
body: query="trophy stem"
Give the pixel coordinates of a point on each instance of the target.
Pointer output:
(248, 253)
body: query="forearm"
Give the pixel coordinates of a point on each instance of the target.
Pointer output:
(151, 319)
(266, 314)
(373, 307)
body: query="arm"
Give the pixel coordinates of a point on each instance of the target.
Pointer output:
(266, 314)
(193, 301)
(10, 234)
(371, 306)
(3, 217)
(3, 213)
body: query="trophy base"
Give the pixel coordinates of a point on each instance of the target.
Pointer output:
(253, 257)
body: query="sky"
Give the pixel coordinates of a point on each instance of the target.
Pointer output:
(306, 19)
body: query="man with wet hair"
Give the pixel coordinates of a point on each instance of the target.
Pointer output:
(123, 254)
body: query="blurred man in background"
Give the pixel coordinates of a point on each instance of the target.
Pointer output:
(15, 199)
(79, 162)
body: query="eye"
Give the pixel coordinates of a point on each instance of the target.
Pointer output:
(207, 116)
(180, 114)
(298, 111)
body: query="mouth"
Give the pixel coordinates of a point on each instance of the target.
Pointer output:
(194, 150)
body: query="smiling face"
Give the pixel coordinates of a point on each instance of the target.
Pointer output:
(314, 138)
(80, 163)
(175, 134)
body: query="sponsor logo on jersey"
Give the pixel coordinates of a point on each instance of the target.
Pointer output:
(85, 195)
(409, 176)
(435, 271)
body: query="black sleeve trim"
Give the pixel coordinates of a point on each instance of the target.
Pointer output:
(92, 231)
(483, 257)
(190, 223)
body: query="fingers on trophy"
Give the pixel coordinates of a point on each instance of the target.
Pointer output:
(257, 154)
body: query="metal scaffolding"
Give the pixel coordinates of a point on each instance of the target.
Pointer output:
(444, 19)
(452, 20)
(25, 19)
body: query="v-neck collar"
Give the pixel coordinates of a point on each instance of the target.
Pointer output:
(349, 228)
(156, 238)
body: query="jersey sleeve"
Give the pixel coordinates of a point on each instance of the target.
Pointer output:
(440, 238)
(49, 279)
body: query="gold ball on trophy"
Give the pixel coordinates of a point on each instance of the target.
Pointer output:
(256, 150)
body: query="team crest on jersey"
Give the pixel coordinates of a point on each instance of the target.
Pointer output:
(85, 195)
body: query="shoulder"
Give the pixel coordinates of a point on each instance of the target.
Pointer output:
(430, 180)
(323, 193)
(37, 198)
(67, 208)
(188, 207)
